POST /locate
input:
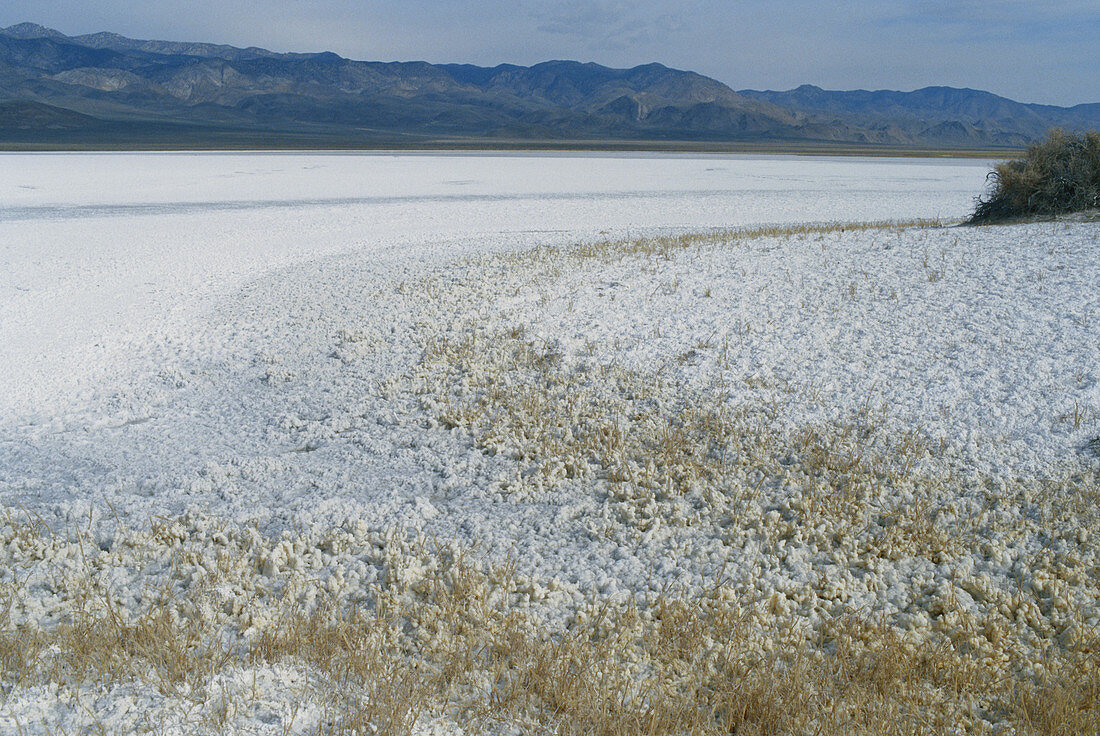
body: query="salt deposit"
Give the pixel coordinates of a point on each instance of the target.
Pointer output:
(296, 366)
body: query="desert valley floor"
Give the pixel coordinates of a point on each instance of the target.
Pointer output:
(431, 443)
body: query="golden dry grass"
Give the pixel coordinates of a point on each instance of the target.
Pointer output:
(652, 441)
(452, 642)
(665, 247)
(442, 633)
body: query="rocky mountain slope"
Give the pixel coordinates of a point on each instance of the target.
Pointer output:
(106, 82)
(942, 114)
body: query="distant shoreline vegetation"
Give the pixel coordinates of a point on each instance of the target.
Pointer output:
(166, 137)
(1060, 175)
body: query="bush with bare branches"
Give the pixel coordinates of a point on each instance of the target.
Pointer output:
(1059, 175)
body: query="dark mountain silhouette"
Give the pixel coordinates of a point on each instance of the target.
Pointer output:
(121, 89)
(24, 115)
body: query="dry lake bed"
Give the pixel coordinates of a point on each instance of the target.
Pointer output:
(433, 443)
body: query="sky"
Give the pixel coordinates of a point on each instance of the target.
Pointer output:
(1028, 50)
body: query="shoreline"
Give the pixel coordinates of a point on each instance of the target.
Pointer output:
(285, 144)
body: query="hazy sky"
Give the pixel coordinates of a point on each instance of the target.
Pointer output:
(1029, 50)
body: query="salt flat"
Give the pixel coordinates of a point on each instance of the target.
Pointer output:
(587, 366)
(147, 295)
(101, 251)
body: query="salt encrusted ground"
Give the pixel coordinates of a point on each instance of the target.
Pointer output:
(809, 421)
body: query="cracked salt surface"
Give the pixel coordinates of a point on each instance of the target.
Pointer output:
(264, 365)
(217, 390)
(142, 347)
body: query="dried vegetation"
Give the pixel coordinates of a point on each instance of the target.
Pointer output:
(442, 634)
(389, 633)
(1057, 176)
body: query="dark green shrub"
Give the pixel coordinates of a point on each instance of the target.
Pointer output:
(1058, 175)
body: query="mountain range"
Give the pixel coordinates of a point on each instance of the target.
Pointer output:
(107, 89)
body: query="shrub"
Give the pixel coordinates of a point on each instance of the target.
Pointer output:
(1058, 175)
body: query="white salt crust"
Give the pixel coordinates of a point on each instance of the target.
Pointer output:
(240, 342)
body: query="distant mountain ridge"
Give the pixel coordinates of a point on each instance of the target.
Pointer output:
(104, 84)
(947, 108)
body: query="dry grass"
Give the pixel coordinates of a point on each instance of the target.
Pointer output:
(648, 442)
(666, 247)
(452, 642)
(441, 633)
